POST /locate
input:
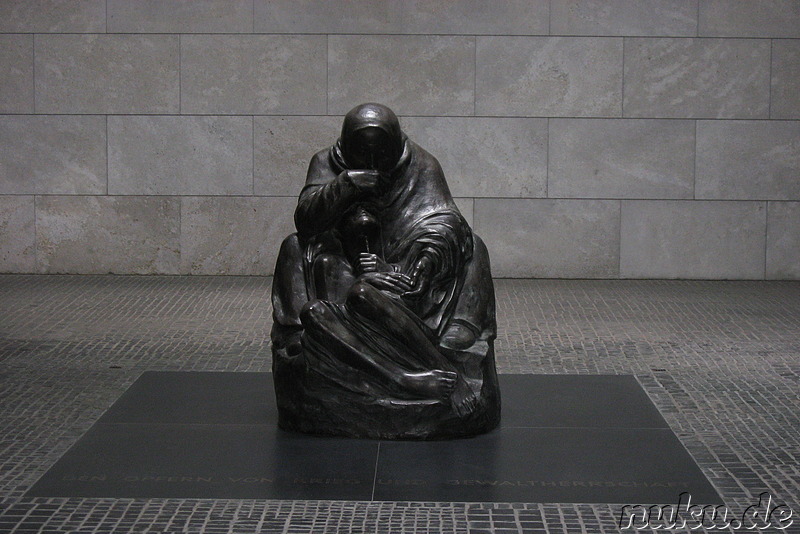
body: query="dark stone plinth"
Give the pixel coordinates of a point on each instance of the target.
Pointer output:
(307, 403)
(564, 438)
(383, 301)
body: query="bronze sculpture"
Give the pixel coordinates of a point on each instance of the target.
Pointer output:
(383, 303)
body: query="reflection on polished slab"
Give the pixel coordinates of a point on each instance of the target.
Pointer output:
(563, 438)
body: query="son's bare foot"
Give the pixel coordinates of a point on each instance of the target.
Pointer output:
(436, 384)
(464, 400)
(458, 337)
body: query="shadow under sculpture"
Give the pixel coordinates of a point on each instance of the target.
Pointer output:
(384, 311)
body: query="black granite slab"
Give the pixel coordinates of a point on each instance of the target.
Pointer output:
(570, 401)
(564, 438)
(196, 397)
(544, 465)
(210, 461)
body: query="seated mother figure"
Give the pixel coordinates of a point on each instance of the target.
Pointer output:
(383, 301)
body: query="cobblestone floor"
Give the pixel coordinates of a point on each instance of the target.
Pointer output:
(721, 360)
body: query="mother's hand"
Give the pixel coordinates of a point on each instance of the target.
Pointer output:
(420, 277)
(397, 283)
(367, 180)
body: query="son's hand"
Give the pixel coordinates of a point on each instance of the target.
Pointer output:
(372, 263)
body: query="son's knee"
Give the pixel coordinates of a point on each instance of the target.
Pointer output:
(325, 262)
(360, 296)
(459, 336)
(313, 312)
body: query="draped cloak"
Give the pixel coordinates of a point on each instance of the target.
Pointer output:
(416, 215)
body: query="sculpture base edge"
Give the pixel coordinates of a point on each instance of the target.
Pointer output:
(310, 404)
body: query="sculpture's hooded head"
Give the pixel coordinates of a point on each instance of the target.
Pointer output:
(371, 138)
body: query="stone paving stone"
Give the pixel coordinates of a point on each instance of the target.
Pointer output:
(253, 74)
(676, 18)
(17, 234)
(699, 239)
(52, 155)
(748, 160)
(621, 158)
(550, 238)
(512, 160)
(697, 78)
(208, 155)
(26, 16)
(99, 234)
(467, 208)
(549, 76)
(233, 235)
(107, 74)
(16, 73)
(720, 360)
(284, 147)
(527, 17)
(783, 240)
(785, 102)
(412, 74)
(165, 16)
(737, 18)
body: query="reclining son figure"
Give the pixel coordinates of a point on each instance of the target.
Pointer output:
(384, 313)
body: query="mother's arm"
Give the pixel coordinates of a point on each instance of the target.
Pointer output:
(327, 196)
(421, 274)
(440, 248)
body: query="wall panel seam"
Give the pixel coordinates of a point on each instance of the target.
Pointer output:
(499, 117)
(622, 97)
(180, 236)
(180, 74)
(464, 196)
(253, 155)
(158, 195)
(766, 237)
(36, 266)
(619, 242)
(769, 97)
(108, 165)
(579, 40)
(697, 20)
(550, 17)
(694, 165)
(384, 34)
(474, 75)
(547, 163)
(33, 69)
(327, 73)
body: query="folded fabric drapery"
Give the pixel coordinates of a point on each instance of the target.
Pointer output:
(384, 316)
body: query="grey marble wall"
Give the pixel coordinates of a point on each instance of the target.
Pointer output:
(582, 138)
